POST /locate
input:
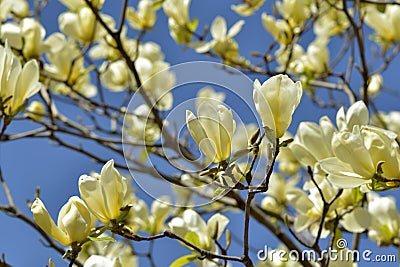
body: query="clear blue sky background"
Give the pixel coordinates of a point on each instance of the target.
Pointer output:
(30, 163)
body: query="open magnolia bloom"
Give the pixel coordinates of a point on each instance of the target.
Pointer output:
(105, 193)
(313, 142)
(223, 43)
(152, 223)
(310, 207)
(366, 156)
(144, 17)
(385, 225)
(74, 221)
(386, 24)
(27, 35)
(212, 130)
(17, 83)
(194, 229)
(276, 100)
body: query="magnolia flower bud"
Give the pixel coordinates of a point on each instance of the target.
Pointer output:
(275, 100)
(105, 193)
(74, 221)
(36, 110)
(375, 84)
(212, 130)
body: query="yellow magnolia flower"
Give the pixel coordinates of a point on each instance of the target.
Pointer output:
(386, 24)
(385, 225)
(212, 130)
(248, 7)
(27, 36)
(358, 155)
(143, 18)
(105, 193)
(275, 100)
(179, 23)
(17, 83)
(82, 25)
(279, 29)
(74, 221)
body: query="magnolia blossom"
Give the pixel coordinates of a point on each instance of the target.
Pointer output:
(116, 75)
(385, 225)
(27, 36)
(208, 94)
(206, 233)
(330, 21)
(158, 81)
(279, 29)
(143, 18)
(276, 199)
(275, 100)
(201, 234)
(106, 47)
(19, 8)
(74, 221)
(212, 130)
(35, 110)
(390, 121)
(295, 11)
(293, 55)
(17, 83)
(82, 25)
(358, 154)
(104, 254)
(105, 193)
(312, 142)
(386, 24)
(310, 207)
(65, 63)
(375, 84)
(357, 114)
(179, 23)
(140, 126)
(248, 7)
(223, 43)
(152, 223)
(316, 59)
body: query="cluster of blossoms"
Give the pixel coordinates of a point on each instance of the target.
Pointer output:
(108, 198)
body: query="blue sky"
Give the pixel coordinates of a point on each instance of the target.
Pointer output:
(27, 164)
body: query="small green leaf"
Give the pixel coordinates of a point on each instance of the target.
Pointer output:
(193, 24)
(357, 195)
(193, 238)
(182, 261)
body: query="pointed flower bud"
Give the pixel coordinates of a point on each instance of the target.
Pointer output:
(74, 221)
